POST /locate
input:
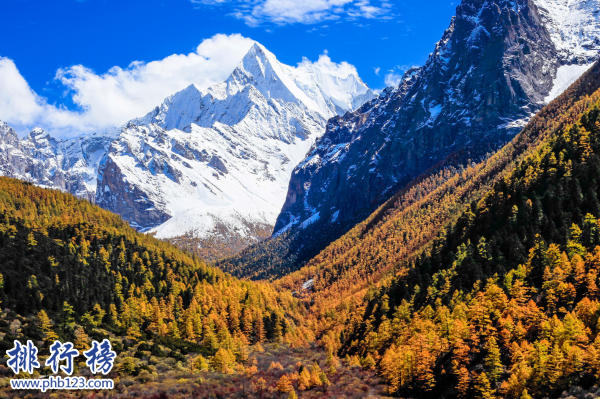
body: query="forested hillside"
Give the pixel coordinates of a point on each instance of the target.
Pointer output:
(480, 281)
(502, 300)
(63, 255)
(410, 222)
(74, 272)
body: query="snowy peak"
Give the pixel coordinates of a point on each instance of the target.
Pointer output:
(260, 68)
(574, 27)
(217, 162)
(41, 139)
(322, 87)
(8, 134)
(347, 93)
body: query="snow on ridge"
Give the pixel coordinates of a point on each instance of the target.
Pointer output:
(574, 27)
(566, 75)
(206, 222)
(323, 90)
(221, 158)
(314, 218)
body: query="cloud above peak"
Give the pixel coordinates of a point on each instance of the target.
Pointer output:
(324, 63)
(395, 75)
(112, 98)
(108, 100)
(283, 12)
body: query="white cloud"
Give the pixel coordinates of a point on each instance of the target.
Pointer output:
(377, 70)
(17, 100)
(282, 12)
(393, 79)
(366, 10)
(22, 108)
(324, 63)
(394, 76)
(112, 98)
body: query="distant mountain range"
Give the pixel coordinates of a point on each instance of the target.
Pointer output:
(208, 164)
(310, 152)
(70, 165)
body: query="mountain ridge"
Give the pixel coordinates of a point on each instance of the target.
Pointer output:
(494, 68)
(70, 165)
(264, 117)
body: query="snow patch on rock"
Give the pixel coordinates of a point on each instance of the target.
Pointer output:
(308, 284)
(574, 27)
(566, 75)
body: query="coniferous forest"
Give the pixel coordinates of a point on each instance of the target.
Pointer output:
(475, 281)
(479, 278)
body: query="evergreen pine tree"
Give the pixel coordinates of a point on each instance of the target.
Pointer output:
(492, 360)
(284, 385)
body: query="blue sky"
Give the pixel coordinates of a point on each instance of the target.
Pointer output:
(40, 38)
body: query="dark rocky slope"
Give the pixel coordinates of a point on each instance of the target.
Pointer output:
(492, 70)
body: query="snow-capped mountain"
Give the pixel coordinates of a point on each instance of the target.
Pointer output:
(217, 162)
(498, 63)
(70, 165)
(208, 164)
(574, 27)
(325, 91)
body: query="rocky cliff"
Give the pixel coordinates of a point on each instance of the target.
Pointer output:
(497, 64)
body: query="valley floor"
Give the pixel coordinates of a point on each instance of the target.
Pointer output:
(161, 378)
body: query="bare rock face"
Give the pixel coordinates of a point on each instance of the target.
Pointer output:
(125, 199)
(497, 64)
(68, 165)
(216, 163)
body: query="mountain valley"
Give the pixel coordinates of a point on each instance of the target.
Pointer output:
(497, 65)
(290, 233)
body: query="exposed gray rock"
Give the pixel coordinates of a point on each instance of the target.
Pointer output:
(491, 71)
(217, 163)
(69, 165)
(120, 196)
